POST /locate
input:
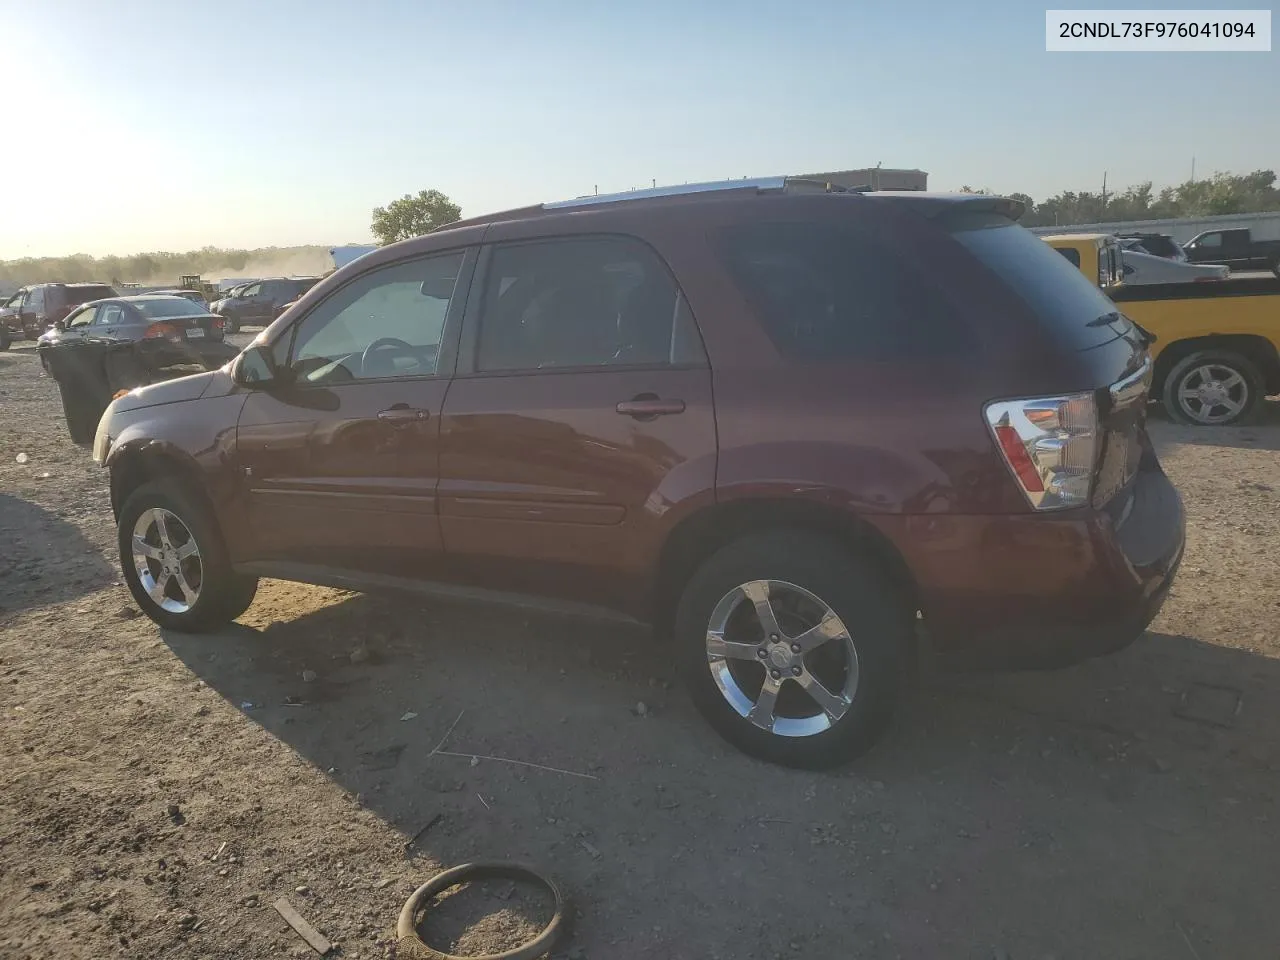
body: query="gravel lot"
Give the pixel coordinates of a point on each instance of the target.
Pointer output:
(161, 791)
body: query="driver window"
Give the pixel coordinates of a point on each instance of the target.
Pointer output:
(386, 324)
(1211, 240)
(250, 291)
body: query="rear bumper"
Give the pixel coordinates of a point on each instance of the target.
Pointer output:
(1014, 592)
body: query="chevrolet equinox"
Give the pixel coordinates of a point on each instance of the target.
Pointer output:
(793, 428)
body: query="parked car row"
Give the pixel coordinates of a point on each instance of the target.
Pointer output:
(757, 415)
(260, 301)
(34, 309)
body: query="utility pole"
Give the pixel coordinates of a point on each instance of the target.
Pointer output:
(1104, 190)
(1193, 168)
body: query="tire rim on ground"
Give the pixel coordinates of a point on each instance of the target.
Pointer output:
(1213, 393)
(407, 925)
(167, 560)
(781, 658)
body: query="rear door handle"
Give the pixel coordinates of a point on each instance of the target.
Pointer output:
(646, 407)
(402, 412)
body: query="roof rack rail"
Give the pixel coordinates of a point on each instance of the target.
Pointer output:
(759, 184)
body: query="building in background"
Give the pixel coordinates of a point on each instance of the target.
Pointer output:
(877, 178)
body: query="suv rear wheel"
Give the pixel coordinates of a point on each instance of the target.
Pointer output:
(1213, 388)
(175, 561)
(794, 650)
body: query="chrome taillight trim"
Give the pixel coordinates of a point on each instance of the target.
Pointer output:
(1066, 485)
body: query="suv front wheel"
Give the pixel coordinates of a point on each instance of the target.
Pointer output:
(175, 561)
(793, 649)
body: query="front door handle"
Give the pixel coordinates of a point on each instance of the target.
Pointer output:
(647, 406)
(402, 412)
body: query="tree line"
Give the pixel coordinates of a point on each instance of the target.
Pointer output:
(1222, 193)
(414, 215)
(211, 263)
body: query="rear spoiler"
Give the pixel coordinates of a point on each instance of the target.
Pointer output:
(944, 206)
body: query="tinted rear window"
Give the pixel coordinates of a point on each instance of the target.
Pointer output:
(824, 292)
(1055, 289)
(174, 307)
(85, 294)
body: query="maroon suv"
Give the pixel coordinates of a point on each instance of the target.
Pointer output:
(786, 426)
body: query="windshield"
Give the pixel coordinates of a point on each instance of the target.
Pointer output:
(1057, 291)
(171, 307)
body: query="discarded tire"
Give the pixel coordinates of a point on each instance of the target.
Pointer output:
(410, 945)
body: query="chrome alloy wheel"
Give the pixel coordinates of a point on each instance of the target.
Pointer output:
(167, 560)
(782, 658)
(1213, 393)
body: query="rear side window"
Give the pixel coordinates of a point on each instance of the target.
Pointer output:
(1066, 302)
(85, 294)
(824, 292)
(589, 302)
(1072, 255)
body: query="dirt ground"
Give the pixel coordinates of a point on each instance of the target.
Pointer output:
(160, 791)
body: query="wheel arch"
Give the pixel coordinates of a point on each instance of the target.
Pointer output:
(1256, 348)
(134, 464)
(701, 534)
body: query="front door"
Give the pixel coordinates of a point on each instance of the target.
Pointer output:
(340, 466)
(580, 418)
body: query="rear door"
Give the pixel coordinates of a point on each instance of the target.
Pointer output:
(340, 467)
(110, 318)
(32, 313)
(1237, 250)
(581, 415)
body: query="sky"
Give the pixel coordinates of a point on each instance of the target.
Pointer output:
(149, 125)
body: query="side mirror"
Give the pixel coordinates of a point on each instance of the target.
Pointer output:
(59, 324)
(256, 367)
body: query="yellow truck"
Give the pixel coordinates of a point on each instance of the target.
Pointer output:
(1217, 345)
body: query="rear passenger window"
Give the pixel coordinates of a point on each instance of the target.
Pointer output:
(598, 301)
(1072, 255)
(827, 293)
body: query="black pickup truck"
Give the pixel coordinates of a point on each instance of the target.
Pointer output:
(1238, 249)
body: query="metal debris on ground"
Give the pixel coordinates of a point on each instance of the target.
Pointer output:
(305, 930)
(435, 818)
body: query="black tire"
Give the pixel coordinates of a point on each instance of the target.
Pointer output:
(81, 413)
(1187, 373)
(222, 593)
(5, 339)
(1275, 268)
(875, 613)
(231, 326)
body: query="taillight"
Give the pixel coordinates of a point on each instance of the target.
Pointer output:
(1050, 445)
(162, 331)
(217, 323)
